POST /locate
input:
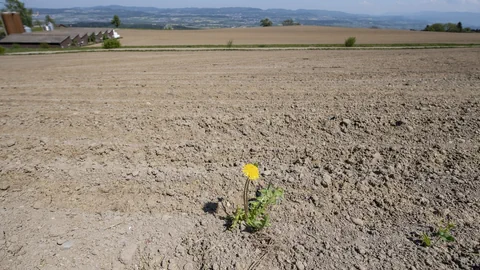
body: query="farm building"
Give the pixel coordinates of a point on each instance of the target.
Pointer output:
(99, 32)
(76, 38)
(60, 38)
(98, 36)
(35, 41)
(109, 33)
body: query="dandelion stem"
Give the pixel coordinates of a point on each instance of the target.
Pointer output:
(245, 198)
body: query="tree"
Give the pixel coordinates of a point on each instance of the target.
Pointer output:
(17, 6)
(92, 37)
(436, 27)
(116, 21)
(37, 23)
(289, 22)
(49, 19)
(266, 22)
(2, 31)
(460, 27)
(451, 27)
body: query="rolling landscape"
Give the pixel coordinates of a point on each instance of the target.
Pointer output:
(182, 18)
(135, 157)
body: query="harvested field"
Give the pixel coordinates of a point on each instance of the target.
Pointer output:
(121, 160)
(289, 35)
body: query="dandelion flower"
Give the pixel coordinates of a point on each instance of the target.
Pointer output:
(251, 171)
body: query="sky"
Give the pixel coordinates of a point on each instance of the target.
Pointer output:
(350, 6)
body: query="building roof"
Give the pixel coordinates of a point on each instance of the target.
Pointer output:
(26, 38)
(79, 30)
(51, 33)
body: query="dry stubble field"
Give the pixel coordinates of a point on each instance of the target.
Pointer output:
(118, 160)
(290, 35)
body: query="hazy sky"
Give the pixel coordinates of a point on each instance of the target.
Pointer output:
(352, 6)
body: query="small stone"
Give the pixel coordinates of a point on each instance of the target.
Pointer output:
(37, 205)
(361, 250)
(327, 180)
(314, 199)
(409, 128)
(429, 262)
(346, 122)
(189, 266)
(61, 241)
(424, 201)
(127, 253)
(10, 143)
(376, 158)
(362, 186)
(4, 186)
(299, 249)
(43, 141)
(135, 173)
(300, 265)
(357, 221)
(67, 245)
(337, 198)
(170, 193)
(172, 265)
(267, 172)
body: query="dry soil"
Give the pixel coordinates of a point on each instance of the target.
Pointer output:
(121, 160)
(289, 35)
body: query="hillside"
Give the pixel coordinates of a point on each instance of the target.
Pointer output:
(180, 18)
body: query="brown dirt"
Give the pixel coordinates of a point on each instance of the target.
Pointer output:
(118, 160)
(289, 35)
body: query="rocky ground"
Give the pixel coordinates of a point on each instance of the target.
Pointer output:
(123, 160)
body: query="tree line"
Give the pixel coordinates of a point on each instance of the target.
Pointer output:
(288, 22)
(449, 27)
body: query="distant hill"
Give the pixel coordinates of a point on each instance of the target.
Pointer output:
(182, 18)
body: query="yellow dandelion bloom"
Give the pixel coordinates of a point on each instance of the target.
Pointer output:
(251, 171)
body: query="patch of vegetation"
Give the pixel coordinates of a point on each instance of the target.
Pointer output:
(448, 27)
(350, 42)
(2, 50)
(111, 43)
(116, 21)
(92, 38)
(443, 232)
(44, 46)
(19, 6)
(16, 46)
(230, 43)
(257, 217)
(290, 22)
(266, 22)
(254, 212)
